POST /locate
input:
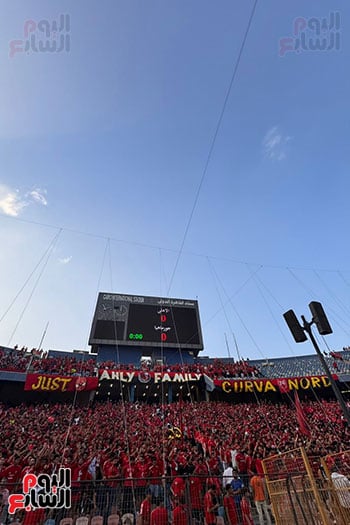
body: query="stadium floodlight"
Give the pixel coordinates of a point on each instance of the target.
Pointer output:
(319, 318)
(295, 327)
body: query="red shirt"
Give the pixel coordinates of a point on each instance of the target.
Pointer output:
(179, 515)
(196, 493)
(209, 502)
(246, 512)
(201, 469)
(159, 516)
(12, 473)
(178, 486)
(145, 511)
(128, 473)
(230, 507)
(139, 474)
(111, 470)
(258, 466)
(155, 471)
(29, 469)
(241, 461)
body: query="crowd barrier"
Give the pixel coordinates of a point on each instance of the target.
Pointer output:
(122, 499)
(300, 490)
(308, 490)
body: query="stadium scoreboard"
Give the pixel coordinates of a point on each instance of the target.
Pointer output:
(135, 320)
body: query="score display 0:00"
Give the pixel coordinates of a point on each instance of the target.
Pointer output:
(138, 337)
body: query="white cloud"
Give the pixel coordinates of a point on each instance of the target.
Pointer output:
(65, 260)
(275, 144)
(11, 202)
(39, 196)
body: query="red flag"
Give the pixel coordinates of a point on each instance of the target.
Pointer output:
(302, 422)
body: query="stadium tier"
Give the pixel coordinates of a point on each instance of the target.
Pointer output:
(78, 363)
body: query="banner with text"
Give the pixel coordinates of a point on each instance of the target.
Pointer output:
(148, 377)
(58, 383)
(282, 385)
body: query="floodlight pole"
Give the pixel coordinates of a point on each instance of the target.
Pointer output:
(307, 329)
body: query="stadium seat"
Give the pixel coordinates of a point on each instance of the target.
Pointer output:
(113, 519)
(82, 521)
(66, 521)
(97, 520)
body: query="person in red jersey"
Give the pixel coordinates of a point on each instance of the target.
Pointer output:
(257, 464)
(178, 486)
(196, 497)
(146, 509)
(128, 487)
(154, 472)
(180, 514)
(159, 516)
(211, 505)
(13, 472)
(29, 468)
(111, 473)
(242, 465)
(230, 507)
(246, 509)
(201, 469)
(140, 469)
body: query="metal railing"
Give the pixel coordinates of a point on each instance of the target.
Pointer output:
(307, 490)
(182, 497)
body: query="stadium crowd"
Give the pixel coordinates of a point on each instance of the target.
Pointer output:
(113, 443)
(37, 361)
(20, 360)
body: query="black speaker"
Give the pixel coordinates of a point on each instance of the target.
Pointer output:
(295, 327)
(320, 319)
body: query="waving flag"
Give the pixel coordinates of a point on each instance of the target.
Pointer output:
(302, 421)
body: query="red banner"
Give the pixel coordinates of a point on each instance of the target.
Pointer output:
(282, 385)
(143, 376)
(58, 383)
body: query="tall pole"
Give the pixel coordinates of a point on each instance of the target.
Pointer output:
(236, 345)
(307, 328)
(39, 347)
(228, 348)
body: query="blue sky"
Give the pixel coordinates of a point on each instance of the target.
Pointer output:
(111, 139)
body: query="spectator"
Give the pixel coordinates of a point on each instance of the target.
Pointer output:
(230, 506)
(342, 487)
(159, 516)
(259, 497)
(246, 511)
(146, 509)
(211, 505)
(180, 513)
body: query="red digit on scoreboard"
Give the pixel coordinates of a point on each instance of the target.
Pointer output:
(163, 337)
(163, 318)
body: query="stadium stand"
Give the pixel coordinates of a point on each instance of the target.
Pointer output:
(121, 453)
(20, 360)
(93, 443)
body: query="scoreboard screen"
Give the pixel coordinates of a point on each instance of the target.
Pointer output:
(146, 321)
